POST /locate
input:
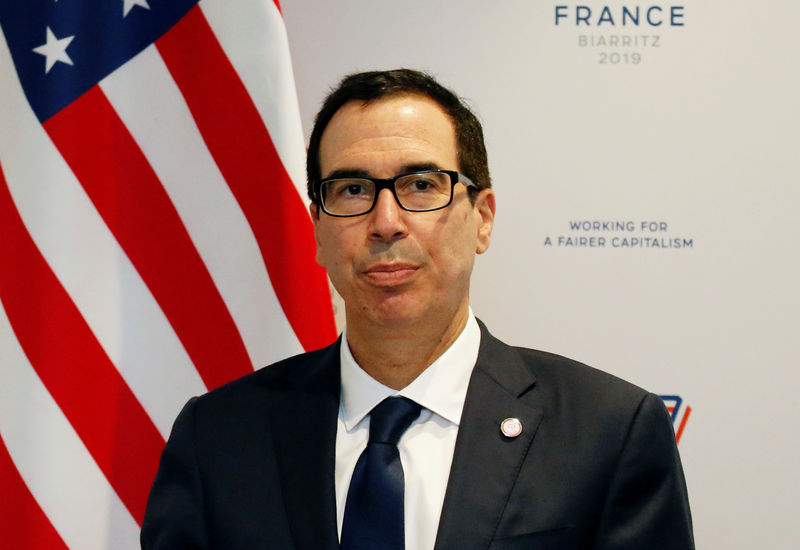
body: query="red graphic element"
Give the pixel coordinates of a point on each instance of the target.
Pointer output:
(685, 419)
(673, 404)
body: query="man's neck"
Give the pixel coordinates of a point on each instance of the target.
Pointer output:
(395, 356)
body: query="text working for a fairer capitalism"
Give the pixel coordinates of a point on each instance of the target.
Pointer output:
(618, 234)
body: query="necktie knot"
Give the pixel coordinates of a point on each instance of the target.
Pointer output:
(390, 418)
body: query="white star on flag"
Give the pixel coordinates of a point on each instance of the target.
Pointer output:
(54, 49)
(128, 5)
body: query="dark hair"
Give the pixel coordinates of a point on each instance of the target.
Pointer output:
(374, 85)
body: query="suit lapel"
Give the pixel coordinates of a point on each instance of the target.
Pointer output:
(304, 427)
(486, 463)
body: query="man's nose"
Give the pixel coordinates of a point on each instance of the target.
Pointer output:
(387, 220)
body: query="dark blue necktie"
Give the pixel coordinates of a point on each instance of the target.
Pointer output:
(373, 513)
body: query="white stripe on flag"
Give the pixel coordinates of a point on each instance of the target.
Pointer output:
(150, 104)
(266, 72)
(60, 473)
(89, 263)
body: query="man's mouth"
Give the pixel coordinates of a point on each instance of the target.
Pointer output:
(390, 273)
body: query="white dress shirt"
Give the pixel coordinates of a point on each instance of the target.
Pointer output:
(426, 448)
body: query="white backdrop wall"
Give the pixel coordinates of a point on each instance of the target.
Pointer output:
(689, 120)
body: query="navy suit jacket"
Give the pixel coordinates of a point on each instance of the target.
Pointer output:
(251, 464)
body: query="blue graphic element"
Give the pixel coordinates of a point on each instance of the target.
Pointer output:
(675, 401)
(103, 41)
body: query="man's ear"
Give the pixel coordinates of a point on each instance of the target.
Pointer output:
(313, 210)
(485, 208)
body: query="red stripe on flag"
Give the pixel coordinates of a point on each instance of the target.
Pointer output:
(133, 203)
(73, 366)
(242, 148)
(23, 523)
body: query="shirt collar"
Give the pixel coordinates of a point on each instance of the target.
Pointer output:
(441, 388)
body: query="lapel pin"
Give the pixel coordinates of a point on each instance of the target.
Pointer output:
(511, 427)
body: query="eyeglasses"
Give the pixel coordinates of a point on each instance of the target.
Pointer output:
(417, 192)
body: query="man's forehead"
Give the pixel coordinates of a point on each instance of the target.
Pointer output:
(408, 128)
(400, 109)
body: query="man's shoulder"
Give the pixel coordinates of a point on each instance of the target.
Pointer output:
(576, 397)
(554, 369)
(558, 381)
(239, 414)
(314, 371)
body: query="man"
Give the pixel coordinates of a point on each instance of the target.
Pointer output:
(498, 447)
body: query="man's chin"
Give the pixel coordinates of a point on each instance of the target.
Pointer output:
(393, 310)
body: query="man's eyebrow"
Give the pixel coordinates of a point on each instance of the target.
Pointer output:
(422, 167)
(358, 173)
(347, 173)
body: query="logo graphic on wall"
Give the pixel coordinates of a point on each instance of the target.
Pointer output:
(678, 413)
(620, 34)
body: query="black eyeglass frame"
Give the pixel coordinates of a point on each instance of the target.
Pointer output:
(389, 183)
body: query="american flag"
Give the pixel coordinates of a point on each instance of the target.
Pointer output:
(153, 243)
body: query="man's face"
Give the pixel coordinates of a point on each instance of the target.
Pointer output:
(393, 267)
